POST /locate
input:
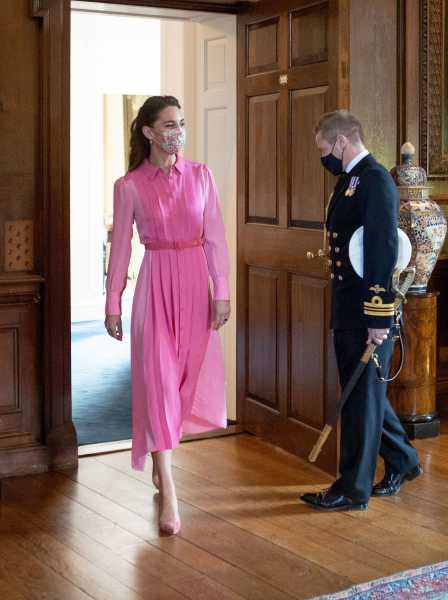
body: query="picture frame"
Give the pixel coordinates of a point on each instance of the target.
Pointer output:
(442, 201)
(434, 88)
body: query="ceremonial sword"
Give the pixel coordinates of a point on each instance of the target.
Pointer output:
(400, 291)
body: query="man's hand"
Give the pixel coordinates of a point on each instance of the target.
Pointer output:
(113, 326)
(221, 313)
(377, 336)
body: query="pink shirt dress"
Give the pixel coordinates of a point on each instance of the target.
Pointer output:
(177, 366)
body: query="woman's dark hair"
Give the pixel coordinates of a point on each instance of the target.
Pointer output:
(140, 148)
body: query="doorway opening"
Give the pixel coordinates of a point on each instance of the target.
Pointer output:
(120, 55)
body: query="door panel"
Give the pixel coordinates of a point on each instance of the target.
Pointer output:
(263, 112)
(262, 40)
(307, 175)
(309, 35)
(263, 336)
(307, 340)
(290, 66)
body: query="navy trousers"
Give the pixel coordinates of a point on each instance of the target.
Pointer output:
(369, 425)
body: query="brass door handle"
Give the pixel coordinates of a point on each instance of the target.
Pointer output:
(319, 254)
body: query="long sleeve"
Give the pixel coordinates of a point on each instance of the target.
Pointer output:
(215, 244)
(120, 251)
(380, 220)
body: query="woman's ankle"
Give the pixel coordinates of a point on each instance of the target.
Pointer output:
(167, 484)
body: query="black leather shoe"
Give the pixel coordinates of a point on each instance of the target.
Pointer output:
(392, 482)
(331, 501)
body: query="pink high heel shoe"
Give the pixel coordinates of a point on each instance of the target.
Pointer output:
(170, 526)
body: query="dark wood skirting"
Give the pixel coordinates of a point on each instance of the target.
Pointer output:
(24, 461)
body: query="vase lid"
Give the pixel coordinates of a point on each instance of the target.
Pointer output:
(408, 174)
(407, 149)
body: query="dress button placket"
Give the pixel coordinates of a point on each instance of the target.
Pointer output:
(181, 327)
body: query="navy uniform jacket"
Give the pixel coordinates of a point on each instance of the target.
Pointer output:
(374, 203)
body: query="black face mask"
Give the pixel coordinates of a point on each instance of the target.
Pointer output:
(332, 163)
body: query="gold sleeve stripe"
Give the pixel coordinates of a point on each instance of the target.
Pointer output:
(387, 308)
(379, 313)
(384, 309)
(380, 306)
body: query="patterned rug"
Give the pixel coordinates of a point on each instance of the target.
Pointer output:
(428, 583)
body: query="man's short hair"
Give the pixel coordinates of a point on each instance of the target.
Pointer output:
(339, 122)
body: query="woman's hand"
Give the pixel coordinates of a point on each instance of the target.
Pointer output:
(221, 313)
(114, 326)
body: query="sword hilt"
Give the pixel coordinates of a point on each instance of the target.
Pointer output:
(400, 291)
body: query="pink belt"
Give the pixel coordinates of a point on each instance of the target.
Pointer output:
(175, 245)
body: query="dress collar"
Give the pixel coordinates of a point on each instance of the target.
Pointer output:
(356, 160)
(152, 170)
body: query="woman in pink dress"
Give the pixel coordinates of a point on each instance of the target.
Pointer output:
(177, 367)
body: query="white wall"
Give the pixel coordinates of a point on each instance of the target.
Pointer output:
(110, 55)
(178, 43)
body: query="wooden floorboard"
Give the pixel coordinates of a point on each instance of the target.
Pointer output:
(92, 533)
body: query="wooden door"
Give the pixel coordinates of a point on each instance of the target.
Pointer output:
(291, 68)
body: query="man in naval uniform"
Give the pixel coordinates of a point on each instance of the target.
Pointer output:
(362, 312)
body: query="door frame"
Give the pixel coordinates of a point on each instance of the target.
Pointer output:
(53, 207)
(53, 216)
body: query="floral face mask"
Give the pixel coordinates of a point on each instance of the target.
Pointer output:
(172, 141)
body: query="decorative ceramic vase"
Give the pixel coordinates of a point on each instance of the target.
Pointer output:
(420, 217)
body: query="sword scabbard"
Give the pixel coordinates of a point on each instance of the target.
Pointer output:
(320, 442)
(400, 292)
